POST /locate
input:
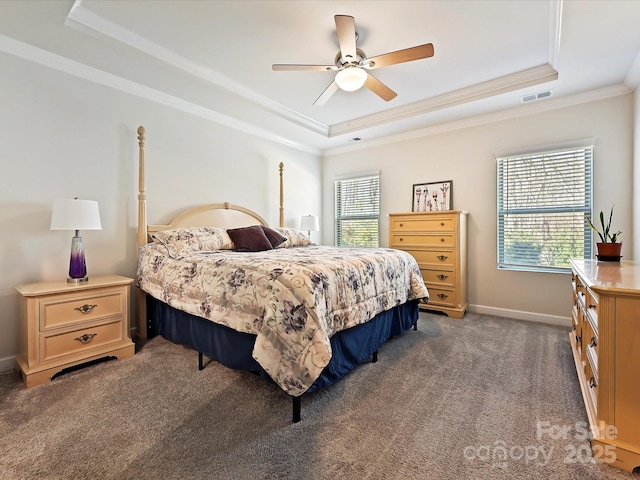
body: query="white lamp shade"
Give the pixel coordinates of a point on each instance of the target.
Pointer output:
(351, 78)
(75, 215)
(310, 223)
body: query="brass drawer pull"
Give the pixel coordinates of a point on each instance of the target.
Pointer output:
(86, 338)
(592, 382)
(442, 258)
(591, 305)
(442, 296)
(578, 338)
(442, 277)
(86, 308)
(593, 342)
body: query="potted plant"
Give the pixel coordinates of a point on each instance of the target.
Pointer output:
(609, 247)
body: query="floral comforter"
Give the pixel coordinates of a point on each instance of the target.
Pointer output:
(292, 299)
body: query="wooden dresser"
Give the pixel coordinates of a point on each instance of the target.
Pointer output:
(64, 324)
(605, 340)
(438, 241)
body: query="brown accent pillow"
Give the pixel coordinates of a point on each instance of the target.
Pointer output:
(274, 237)
(249, 239)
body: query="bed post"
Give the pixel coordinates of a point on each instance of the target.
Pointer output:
(141, 297)
(281, 197)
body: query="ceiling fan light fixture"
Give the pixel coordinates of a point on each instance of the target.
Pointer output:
(351, 79)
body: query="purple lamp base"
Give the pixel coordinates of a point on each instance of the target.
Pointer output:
(77, 264)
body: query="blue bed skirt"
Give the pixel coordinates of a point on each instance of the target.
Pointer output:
(350, 347)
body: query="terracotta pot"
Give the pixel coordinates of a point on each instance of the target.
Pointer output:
(609, 250)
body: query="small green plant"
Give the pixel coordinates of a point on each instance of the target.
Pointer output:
(605, 233)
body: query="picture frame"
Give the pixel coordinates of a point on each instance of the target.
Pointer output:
(432, 196)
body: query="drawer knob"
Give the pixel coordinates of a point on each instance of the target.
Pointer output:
(578, 338)
(86, 308)
(442, 296)
(442, 224)
(400, 239)
(591, 305)
(443, 277)
(442, 258)
(442, 239)
(402, 224)
(593, 342)
(86, 338)
(592, 382)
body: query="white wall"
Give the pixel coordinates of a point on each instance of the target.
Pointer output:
(468, 157)
(64, 137)
(636, 176)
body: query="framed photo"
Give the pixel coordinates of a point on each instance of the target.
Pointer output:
(432, 197)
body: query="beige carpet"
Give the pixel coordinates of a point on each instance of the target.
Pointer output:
(436, 405)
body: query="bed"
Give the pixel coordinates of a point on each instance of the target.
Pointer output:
(219, 279)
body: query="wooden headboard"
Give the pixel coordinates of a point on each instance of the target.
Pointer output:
(225, 215)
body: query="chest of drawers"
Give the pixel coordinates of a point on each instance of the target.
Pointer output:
(63, 325)
(605, 341)
(438, 241)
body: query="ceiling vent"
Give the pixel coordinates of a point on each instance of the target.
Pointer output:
(536, 96)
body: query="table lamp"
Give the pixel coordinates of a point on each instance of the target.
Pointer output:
(309, 223)
(76, 215)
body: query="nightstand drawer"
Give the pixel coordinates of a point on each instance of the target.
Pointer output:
(53, 347)
(62, 310)
(63, 325)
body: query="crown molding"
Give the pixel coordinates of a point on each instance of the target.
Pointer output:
(82, 18)
(633, 75)
(91, 74)
(550, 104)
(555, 30)
(525, 78)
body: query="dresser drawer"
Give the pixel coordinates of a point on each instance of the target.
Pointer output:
(591, 309)
(444, 259)
(442, 296)
(432, 224)
(425, 240)
(53, 347)
(63, 310)
(592, 388)
(439, 277)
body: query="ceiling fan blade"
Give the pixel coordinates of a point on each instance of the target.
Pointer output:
(379, 88)
(302, 68)
(401, 56)
(346, 29)
(326, 95)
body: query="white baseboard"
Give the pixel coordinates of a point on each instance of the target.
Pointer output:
(7, 364)
(522, 315)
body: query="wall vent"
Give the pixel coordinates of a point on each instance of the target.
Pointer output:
(536, 96)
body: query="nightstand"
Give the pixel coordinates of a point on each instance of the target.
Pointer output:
(64, 324)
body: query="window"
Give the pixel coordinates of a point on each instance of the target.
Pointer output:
(543, 201)
(358, 211)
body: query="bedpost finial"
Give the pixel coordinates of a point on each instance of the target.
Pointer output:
(141, 135)
(281, 166)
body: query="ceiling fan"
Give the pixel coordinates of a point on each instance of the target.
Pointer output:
(352, 65)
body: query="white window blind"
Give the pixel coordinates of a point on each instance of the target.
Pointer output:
(543, 201)
(357, 210)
